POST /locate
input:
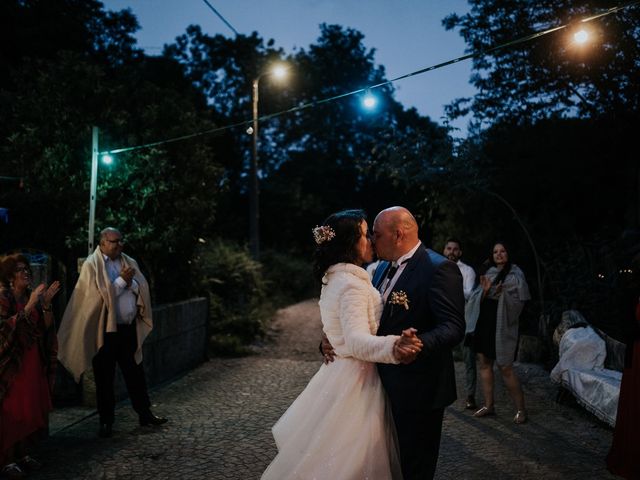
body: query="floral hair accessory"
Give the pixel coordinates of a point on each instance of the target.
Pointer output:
(399, 298)
(323, 234)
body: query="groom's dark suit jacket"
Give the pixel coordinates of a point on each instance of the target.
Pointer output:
(433, 286)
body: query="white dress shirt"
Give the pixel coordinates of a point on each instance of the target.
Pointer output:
(126, 307)
(468, 278)
(387, 286)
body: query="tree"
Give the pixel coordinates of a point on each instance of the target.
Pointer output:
(315, 160)
(550, 75)
(163, 198)
(334, 151)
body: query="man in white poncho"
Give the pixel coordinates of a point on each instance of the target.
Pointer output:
(105, 322)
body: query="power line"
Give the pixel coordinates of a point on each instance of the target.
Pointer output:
(221, 17)
(379, 85)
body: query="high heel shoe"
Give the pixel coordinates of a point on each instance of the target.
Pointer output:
(485, 411)
(521, 417)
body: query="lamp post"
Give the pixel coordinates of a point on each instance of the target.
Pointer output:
(107, 159)
(254, 192)
(254, 188)
(93, 188)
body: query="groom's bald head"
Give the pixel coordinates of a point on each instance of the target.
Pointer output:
(395, 232)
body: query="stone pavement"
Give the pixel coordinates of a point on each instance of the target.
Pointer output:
(221, 414)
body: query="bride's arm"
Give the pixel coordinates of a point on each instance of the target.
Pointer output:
(358, 338)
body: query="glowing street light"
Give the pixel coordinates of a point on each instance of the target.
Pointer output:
(581, 37)
(278, 71)
(369, 101)
(107, 159)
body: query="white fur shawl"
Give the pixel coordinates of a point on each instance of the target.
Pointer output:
(350, 308)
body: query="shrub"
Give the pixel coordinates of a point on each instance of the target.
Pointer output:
(239, 305)
(289, 278)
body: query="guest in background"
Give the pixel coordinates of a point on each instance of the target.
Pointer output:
(28, 350)
(624, 456)
(453, 251)
(497, 305)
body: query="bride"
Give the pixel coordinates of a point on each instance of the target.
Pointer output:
(339, 427)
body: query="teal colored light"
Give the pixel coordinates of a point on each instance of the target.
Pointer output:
(369, 101)
(107, 159)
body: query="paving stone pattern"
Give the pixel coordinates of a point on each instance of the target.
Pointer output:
(221, 414)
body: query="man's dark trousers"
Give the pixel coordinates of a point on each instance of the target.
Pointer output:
(119, 347)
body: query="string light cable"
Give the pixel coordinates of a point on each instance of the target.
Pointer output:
(263, 118)
(221, 17)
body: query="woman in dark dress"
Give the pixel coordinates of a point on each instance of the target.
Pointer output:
(624, 456)
(504, 291)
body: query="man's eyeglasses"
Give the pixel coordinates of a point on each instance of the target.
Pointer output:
(120, 241)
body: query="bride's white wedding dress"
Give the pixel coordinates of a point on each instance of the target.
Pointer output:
(339, 427)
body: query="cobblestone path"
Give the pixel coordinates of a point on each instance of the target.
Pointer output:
(221, 414)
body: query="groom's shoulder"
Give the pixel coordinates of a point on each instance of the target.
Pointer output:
(434, 258)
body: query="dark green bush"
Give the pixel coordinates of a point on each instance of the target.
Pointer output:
(239, 303)
(289, 278)
(244, 294)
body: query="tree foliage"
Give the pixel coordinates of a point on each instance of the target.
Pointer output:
(315, 160)
(163, 198)
(551, 75)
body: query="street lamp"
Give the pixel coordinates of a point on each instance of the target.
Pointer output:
(279, 72)
(107, 159)
(93, 188)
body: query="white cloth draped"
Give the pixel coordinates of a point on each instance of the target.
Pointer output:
(581, 370)
(91, 312)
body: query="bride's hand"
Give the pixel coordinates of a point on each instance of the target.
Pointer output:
(407, 347)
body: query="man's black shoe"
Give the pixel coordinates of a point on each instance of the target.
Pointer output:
(151, 419)
(105, 430)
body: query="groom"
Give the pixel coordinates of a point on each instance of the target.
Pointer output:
(423, 292)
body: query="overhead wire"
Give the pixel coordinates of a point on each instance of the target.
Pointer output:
(221, 17)
(315, 103)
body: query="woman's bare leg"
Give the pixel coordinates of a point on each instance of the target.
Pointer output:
(513, 385)
(485, 369)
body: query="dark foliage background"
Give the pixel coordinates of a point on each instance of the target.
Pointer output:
(549, 165)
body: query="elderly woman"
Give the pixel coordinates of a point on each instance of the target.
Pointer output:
(27, 357)
(496, 304)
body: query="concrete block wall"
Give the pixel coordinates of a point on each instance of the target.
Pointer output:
(176, 344)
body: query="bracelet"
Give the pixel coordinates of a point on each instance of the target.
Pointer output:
(47, 309)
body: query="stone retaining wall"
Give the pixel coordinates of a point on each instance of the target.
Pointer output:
(176, 344)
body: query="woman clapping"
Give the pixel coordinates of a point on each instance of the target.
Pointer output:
(500, 298)
(28, 350)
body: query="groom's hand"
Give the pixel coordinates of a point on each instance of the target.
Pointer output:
(407, 347)
(328, 354)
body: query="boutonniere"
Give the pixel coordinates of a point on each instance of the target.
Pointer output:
(399, 298)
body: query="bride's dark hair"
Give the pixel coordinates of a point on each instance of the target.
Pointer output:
(342, 247)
